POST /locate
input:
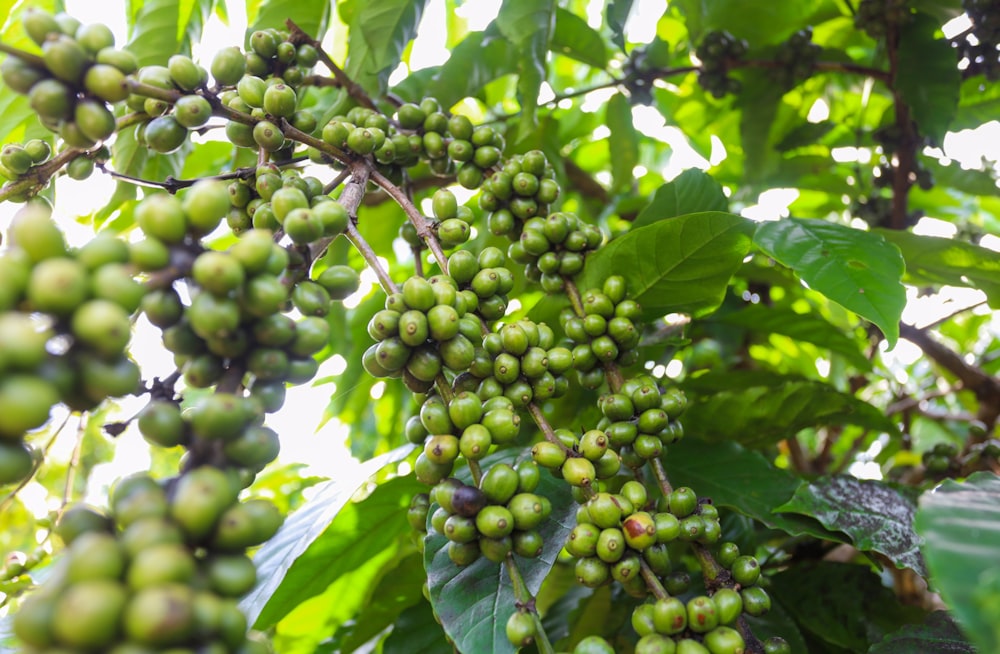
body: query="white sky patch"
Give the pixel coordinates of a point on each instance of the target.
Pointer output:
(819, 111)
(772, 204)
(641, 26)
(479, 14)
(429, 46)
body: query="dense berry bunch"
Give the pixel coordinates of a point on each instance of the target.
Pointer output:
(875, 16)
(64, 327)
(796, 59)
(165, 569)
(717, 52)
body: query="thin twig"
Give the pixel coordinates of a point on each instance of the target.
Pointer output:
(353, 88)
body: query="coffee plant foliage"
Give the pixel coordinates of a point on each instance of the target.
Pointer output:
(599, 393)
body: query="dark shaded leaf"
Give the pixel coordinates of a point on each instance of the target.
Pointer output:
(936, 260)
(842, 604)
(858, 270)
(678, 265)
(313, 548)
(960, 526)
(760, 409)
(741, 480)
(758, 104)
(937, 634)
(474, 602)
(416, 632)
(876, 517)
(926, 76)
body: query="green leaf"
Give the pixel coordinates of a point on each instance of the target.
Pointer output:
(938, 261)
(858, 270)
(742, 480)
(397, 590)
(678, 265)
(313, 16)
(761, 409)
(876, 517)
(417, 632)
(937, 634)
(805, 327)
(325, 538)
(528, 25)
(926, 75)
(617, 13)
(623, 143)
(758, 21)
(479, 59)
(474, 602)
(573, 37)
(979, 102)
(960, 526)
(692, 191)
(758, 103)
(162, 28)
(379, 32)
(840, 603)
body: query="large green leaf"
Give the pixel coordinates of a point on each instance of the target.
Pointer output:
(742, 480)
(758, 103)
(417, 632)
(479, 59)
(926, 75)
(528, 25)
(327, 537)
(692, 191)
(758, 409)
(313, 16)
(960, 526)
(678, 265)
(474, 602)
(858, 270)
(805, 327)
(397, 590)
(162, 28)
(876, 517)
(758, 21)
(935, 260)
(623, 143)
(379, 32)
(979, 102)
(617, 13)
(937, 634)
(842, 604)
(574, 38)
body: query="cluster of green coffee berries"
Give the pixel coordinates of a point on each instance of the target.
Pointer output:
(605, 333)
(875, 16)
(522, 189)
(465, 425)
(717, 52)
(17, 159)
(424, 328)
(64, 326)
(500, 516)
(165, 569)
(797, 58)
(80, 71)
(982, 53)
